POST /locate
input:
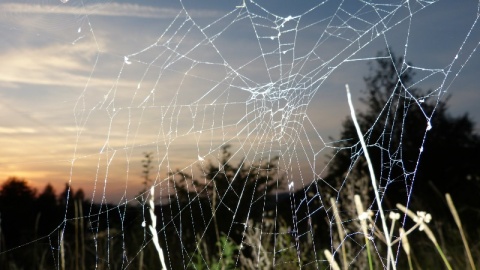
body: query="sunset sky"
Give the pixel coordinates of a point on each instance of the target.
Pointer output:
(86, 87)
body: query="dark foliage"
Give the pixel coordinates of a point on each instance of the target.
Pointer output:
(222, 203)
(17, 208)
(396, 129)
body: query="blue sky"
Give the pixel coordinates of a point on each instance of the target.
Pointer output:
(87, 87)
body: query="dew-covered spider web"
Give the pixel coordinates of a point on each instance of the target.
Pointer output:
(205, 135)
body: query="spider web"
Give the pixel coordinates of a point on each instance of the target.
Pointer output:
(264, 81)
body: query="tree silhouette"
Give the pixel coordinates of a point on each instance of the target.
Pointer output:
(223, 202)
(395, 122)
(47, 196)
(17, 210)
(48, 210)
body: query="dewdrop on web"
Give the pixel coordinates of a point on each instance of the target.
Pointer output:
(290, 185)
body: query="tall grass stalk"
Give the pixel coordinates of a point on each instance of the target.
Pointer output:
(406, 246)
(331, 260)
(374, 182)
(363, 216)
(77, 246)
(341, 232)
(140, 260)
(79, 235)
(82, 235)
(62, 251)
(454, 212)
(153, 227)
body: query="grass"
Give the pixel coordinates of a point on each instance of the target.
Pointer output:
(284, 255)
(458, 222)
(374, 184)
(153, 228)
(368, 225)
(272, 246)
(421, 220)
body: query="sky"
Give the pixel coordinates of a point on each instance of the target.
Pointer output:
(87, 87)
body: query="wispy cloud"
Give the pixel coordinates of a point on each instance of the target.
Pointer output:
(17, 130)
(111, 9)
(53, 64)
(48, 65)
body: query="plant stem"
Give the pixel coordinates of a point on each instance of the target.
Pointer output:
(406, 247)
(373, 179)
(331, 260)
(341, 233)
(363, 225)
(454, 212)
(428, 232)
(153, 229)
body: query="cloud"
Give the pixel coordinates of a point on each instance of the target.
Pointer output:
(111, 10)
(63, 65)
(48, 65)
(17, 130)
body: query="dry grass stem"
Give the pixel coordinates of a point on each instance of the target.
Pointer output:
(422, 219)
(363, 216)
(373, 179)
(453, 210)
(341, 232)
(62, 252)
(406, 233)
(331, 260)
(376, 231)
(153, 227)
(406, 246)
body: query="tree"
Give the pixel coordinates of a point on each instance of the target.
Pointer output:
(397, 118)
(223, 202)
(17, 211)
(65, 198)
(79, 196)
(47, 196)
(48, 210)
